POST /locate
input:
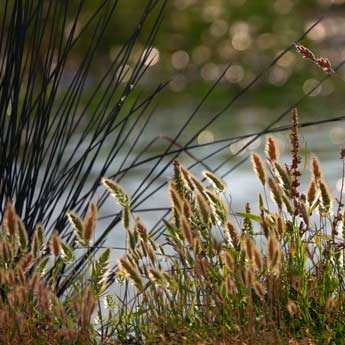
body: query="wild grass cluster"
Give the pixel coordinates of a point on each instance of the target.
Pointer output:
(273, 276)
(270, 277)
(204, 273)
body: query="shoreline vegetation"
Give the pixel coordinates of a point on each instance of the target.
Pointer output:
(204, 274)
(276, 277)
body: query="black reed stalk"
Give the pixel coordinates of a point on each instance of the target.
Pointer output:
(56, 121)
(51, 132)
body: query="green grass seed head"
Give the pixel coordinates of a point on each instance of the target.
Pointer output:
(325, 207)
(216, 182)
(117, 192)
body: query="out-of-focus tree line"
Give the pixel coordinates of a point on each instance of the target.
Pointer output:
(198, 39)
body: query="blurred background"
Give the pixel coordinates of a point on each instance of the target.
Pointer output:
(198, 39)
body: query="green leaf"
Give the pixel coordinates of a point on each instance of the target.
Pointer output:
(249, 215)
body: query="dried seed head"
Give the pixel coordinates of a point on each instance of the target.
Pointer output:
(186, 230)
(258, 260)
(230, 286)
(324, 64)
(259, 167)
(303, 210)
(10, 277)
(305, 52)
(203, 266)
(259, 289)
(10, 220)
(312, 193)
(2, 276)
(325, 200)
(131, 271)
(232, 233)
(198, 184)
(273, 253)
(272, 150)
(26, 262)
(229, 261)
(187, 178)
(250, 278)
(187, 209)
(203, 207)
(140, 228)
(157, 277)
(316, 169)
(275, 193)
(288, 204)
(55, 244)
(90, 223)
(281, 226)
(197, 245)
(22, 236)
(175, 198)
(250, 247)
(5, 252)
(35, 281)
(21, 275)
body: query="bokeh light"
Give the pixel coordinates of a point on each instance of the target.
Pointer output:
(337, 135)
(309, 85)
(151, 56)
(205, 137)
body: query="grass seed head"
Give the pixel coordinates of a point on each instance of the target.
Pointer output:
(203, 208)
(230, 286)
(90, 224)
(259, 289)
(10, 220)
(132, 272)
(316, 169)
(55, 244)
(229, 261)
(186, 230)
(117, 192)
(275, 193)
(325, 207)
(272, 150)
(217, 182)
(312, 193)
(232, 233)
(259, 167)
(305, 52)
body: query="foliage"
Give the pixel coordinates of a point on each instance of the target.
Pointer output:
(279, 272)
